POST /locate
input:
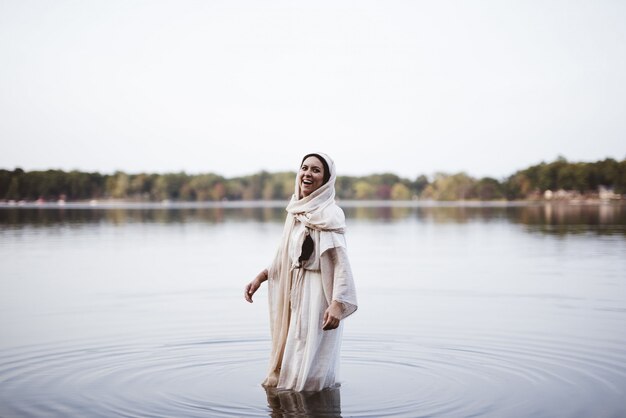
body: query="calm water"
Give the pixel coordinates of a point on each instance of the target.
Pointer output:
(482, 311)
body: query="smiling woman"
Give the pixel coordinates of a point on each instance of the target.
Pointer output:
(314, 172)
(311, 289)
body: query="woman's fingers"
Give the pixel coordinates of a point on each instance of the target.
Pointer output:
(248, 293)
(331, 324)
(330, 321)
(325, 320)
(332, 316)
(251, 288)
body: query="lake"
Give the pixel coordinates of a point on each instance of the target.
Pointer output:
(482, 310)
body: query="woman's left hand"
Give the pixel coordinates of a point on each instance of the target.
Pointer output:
(332, 316)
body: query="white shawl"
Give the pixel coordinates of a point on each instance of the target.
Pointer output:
(325, 222)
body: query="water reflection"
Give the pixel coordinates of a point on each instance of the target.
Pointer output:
(137, 311)
(549, 218)
(120, 216)
(288, 404)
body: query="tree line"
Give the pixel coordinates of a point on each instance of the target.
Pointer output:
(580, 178)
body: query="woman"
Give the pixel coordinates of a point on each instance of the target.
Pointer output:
(310, 284)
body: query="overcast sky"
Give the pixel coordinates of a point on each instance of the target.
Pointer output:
(233, 87)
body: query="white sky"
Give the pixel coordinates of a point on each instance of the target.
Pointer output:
(234, 87)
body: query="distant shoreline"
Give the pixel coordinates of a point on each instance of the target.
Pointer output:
(559, 180)
(241, 204)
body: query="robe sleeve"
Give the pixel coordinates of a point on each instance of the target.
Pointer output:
(337, 279)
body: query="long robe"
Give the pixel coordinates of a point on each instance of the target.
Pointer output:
(304, 357)
(309, 357)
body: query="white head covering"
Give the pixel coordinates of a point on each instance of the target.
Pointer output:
(317, 211)
(325, 222)
(318, 199)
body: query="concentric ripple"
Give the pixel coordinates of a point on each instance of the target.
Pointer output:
(392, 376)
(140, 379)
(488, 376)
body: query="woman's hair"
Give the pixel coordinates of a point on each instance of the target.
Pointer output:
(324, 163)
(307, 245)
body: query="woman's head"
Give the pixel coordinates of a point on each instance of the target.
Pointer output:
(313, 174)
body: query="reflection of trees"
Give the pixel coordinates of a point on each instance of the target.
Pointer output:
(18, 217)
(553, 218)
(378, 212)
(287, 403)
(570, 219)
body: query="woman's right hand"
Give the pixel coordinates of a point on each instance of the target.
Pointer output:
(254, 285)
(251, 287)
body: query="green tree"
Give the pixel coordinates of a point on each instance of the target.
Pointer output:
(419, 184)
(400, 192)
(280, 186)
(488, 188)
(13, 191)
(202, 186)
(620, 178)
(363, 190)
(140, 185)
(159, 188)
(450, 187)
(117, 185)
(218, 191)
(235, 188)
(5, 181)
(344, 186)
(176, 185)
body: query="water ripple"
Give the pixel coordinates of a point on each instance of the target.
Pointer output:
(392, 376)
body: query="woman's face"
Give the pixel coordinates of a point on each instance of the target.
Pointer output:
(310, 176)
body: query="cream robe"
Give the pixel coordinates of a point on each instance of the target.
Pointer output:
(305, 357)
(310, 355)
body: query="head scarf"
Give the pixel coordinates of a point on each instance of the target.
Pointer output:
(317, 212)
